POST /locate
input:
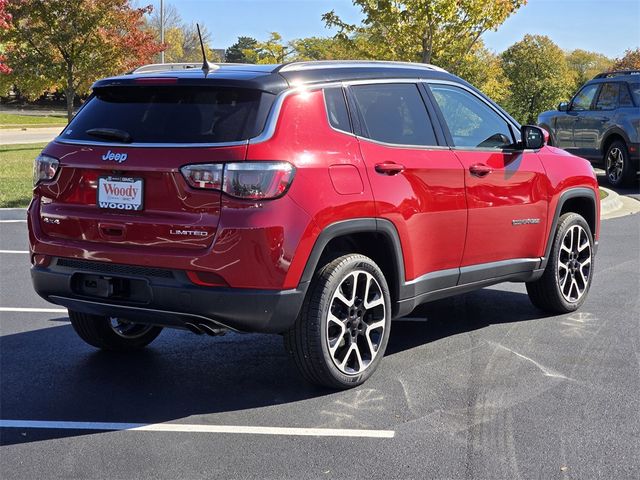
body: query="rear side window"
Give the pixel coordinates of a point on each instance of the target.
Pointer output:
(635, 91)
(625, 97)
(394, 113)
(173, 114)
(608, 98)
(471, 122)
(337, 109)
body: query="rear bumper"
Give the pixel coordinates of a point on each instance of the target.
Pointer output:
(170, 300)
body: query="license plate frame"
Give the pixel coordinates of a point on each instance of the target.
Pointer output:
(133, 202)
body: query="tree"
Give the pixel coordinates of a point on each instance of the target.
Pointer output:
(70, 44)
(585, 65)
(429, 31)
(5, 24)
(630, 61)
(236, 52)
(180, 38)
(539, 76)
(483, 69)
(273, 50)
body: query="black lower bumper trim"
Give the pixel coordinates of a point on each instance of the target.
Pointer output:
(174, 302)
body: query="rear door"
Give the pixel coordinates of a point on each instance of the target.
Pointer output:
(596, 121)
(417, 181)
(120, 182)
(505, 189)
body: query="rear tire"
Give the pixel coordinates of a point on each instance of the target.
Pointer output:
(109, 333)
(618, 167)
(342, 330)
(567, 277)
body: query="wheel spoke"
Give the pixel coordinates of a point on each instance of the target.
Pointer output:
(356, 311)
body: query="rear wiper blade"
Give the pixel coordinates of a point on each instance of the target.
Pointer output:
(110, 134)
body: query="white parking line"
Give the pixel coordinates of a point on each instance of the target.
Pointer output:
(13, 221)
(192, 428)
(33, 310)
(14, 251)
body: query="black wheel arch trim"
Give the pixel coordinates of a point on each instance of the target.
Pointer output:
(577, 192)
(617, 131)
(357, 225)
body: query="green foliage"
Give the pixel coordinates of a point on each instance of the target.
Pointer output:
(430, 31)
(585, 65)
(539, 76)
(272, 50)
(16, 173)
(69, 44)
(235, 53)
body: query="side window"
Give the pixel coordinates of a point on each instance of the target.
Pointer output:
(635, 91)
(337, 109)
(625, 96)
(471, 122)
(394, 113)
(582, 100)
(608, 98)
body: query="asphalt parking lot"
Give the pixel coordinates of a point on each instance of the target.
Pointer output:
(479, 386)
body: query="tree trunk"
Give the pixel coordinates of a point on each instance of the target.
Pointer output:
(69, 92)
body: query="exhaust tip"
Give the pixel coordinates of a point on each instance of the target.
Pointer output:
(194, 328)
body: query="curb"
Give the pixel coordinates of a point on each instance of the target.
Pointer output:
(615, 205)
(611, 203)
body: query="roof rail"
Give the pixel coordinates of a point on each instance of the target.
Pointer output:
(617, 73)
(320, 64)
(164, 67)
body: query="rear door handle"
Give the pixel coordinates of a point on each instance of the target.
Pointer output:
(389, 168)
(480, 170)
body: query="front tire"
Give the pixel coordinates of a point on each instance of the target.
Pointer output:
(567, 277)
(618, 166)
(343, 328)
(112, 333)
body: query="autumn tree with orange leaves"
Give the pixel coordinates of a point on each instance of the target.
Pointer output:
(5, 23)
(68, 45)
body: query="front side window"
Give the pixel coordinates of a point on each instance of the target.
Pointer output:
(471, 122)
(394, 113)
(584, 98)
(608, 98)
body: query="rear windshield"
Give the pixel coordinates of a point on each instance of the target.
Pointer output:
(172, 114)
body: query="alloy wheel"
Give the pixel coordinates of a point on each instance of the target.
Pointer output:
(356, 322)
(574, 264)
(615, 165)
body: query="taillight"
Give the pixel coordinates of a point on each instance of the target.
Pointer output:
(247, 180)
(44, 168)
(205, 175)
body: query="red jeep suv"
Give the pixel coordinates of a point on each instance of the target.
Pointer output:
(317, 200)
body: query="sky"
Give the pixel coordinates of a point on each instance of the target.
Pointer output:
(605, 26)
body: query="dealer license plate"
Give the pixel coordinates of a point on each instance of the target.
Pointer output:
(120, 193)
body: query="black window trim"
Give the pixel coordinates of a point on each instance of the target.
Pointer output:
(357, 119)
(513, 127)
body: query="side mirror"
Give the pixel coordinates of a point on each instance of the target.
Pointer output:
(533, 137)
(563, 107)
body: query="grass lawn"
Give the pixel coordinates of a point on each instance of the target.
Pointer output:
(9, 120)
(16, 165)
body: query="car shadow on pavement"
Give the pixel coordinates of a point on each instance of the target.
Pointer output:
(50, 374)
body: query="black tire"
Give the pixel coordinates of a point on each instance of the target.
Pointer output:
(99, 332)
(310, 340)
(618, 167)
(547, 293)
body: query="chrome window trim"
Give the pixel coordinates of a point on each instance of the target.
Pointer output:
(405, 145)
